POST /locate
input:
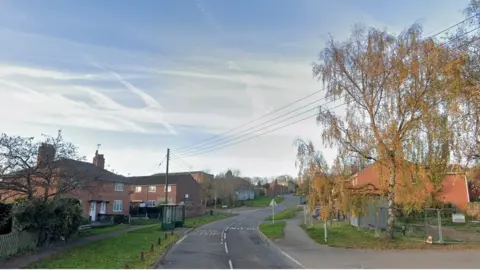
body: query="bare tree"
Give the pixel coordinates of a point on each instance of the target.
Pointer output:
(389, 85)
(39, 169)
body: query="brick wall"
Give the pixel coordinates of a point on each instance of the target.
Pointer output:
(157, 194)
(194, 210)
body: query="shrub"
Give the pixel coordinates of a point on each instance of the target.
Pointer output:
(55, 219)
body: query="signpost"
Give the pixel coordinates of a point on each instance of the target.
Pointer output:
(273, 203)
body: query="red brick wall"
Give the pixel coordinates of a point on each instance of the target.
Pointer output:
(158, 195)
(276, 190)
(194, 210)
(192, 188)
(104, 191)
(454, 186)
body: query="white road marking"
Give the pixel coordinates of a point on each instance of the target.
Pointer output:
(230, 263)
(225, 236)
(291, 258)
(279, 249)
(181, 239)
(226, 249)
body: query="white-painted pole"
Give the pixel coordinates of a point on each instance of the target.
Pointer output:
(273, 213)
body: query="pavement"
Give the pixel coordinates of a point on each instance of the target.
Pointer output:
(230, 243)
(301, 248)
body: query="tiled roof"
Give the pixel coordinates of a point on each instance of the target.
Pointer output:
(77, 168)
(159, 179)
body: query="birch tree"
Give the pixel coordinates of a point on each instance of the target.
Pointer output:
(389, 85)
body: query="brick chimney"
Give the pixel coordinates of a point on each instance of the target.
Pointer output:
(99, 160)
(355, 168)
(46, 154)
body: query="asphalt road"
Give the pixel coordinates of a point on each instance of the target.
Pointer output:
(229, 243)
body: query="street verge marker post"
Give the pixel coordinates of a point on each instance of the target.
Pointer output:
(273, 203)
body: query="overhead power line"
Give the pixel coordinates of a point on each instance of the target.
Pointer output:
(261, 125)
(263, 133)
(252, 121)
(208, 148)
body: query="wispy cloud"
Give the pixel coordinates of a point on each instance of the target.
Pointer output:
(152, 104)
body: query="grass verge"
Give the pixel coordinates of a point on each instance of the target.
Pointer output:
(346, 236)
(285, 214)
(114, 253)
(102, 230)
(199, 221)
(263, 201)
(273, 230)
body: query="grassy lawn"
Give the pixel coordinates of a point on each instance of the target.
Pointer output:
(285, 214)
(273, 230)
(262, 201)
(199, 221)
(114, 253)
(102, 230)
(346, 236)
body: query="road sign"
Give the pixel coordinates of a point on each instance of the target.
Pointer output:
(273, 203)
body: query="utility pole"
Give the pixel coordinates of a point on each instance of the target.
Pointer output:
(166, 177)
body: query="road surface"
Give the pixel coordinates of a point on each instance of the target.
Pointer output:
(230, 243)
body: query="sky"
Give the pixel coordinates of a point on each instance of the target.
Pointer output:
(139, 77)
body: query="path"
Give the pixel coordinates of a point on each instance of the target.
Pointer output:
(226, 244)
(298, 245)
(22, 261)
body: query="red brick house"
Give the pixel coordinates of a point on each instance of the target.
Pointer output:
(151, 189)
(199, 176)
(276, 190)
(100, 192)
(454, 187)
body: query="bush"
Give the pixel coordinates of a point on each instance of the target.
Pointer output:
(55, 219)
(5, 218)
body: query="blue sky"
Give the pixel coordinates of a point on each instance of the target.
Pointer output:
(142, 76)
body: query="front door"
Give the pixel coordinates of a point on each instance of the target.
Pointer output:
(103, 208)
(93, 210)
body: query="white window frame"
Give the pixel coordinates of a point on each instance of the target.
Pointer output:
(138, 189)
(152, 188)
(119, 186)
(169, 188)
(117, 206)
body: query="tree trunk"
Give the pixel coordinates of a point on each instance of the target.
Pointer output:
(391, 202)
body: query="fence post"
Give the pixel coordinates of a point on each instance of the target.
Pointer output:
(426, 222)
(440, 235)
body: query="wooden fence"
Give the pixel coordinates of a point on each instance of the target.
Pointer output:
(15, 242)
(473, 210)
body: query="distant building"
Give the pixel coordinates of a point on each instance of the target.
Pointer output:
(244, 193)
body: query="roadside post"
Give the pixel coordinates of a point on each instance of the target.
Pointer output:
(273, 203)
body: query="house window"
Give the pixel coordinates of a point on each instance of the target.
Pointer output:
(152, 188)
(118, 186)
(117, 206)
(169, 188)
(138, 189)
(151, 203)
